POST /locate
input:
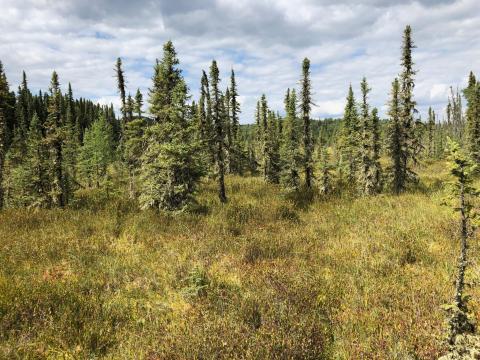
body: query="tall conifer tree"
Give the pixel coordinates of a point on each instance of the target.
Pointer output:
(235, 124)
(264, 134)
(54, 139)
(4, 94)
(216, 99)
(121, 87)
(96, 153)
(349, 138)
(431, 132)
(171, 164)
(376, 149)
(291, 144)
(407, 110)
(130, 108)
(325, 171)
(305, 108)
(138, 103)
(462, 169)
(227, 127)
(366, 176)
(472, 94)
(396, 140)
(272, 150)
(36, 166)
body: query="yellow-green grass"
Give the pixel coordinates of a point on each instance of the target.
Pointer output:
(264, 276)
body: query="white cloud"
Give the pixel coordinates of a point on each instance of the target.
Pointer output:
(264, 40)
(439, 92)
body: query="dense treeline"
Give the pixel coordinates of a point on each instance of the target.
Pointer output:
(53, 144)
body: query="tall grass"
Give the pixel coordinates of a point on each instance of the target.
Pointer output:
(265, 276)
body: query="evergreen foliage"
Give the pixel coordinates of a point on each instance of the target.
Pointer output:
(55, 135)
(325, 172)
(96, 153)
(263, 134)
(171, 166)
(408, 148)
(431, 132)
(134, 147)
(4, 93)
(218, 121)
(272, 152)
(349, 139)
(462, 167)
(376, 152)
(396, 140)
(235, 148)
(367, 181)
(121, 87)
(472, 94)
(291, 155)
(305, 108)
(138, 104)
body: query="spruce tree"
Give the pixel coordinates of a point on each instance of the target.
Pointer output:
(227, 128)
(202, 116)
(456, 118)
(138, 104)
(216, 99)
(272, 154)
(291, 144)
(70, 116)
(407, 110)
(96, 153)
(462, 168)
(130, 108)
(325, 172)
(121, 87)
(396, 140)
(376, 149)
(4, 94)
(258, 121)
(366, 175)
(71, 146)
(20, 127)
(257, 146)
(472, 94)
(418, 147)
(166, 79)
(35, 169)
(264, 134)
(171, 163)
(23, 112)
(207, 131)
(305, 108)
(54, 139)
(349, 138)
(431, 132)
(235, 124)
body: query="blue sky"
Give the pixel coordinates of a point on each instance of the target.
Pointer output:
(263, 40)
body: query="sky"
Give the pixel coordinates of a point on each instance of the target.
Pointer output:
(264, 41)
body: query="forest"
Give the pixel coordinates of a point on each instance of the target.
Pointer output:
(168, 230)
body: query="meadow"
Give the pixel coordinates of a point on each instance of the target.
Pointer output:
(267, 275)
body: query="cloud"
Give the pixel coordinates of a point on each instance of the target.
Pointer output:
(265, 42)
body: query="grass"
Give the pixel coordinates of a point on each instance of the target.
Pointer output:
(264, 276)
